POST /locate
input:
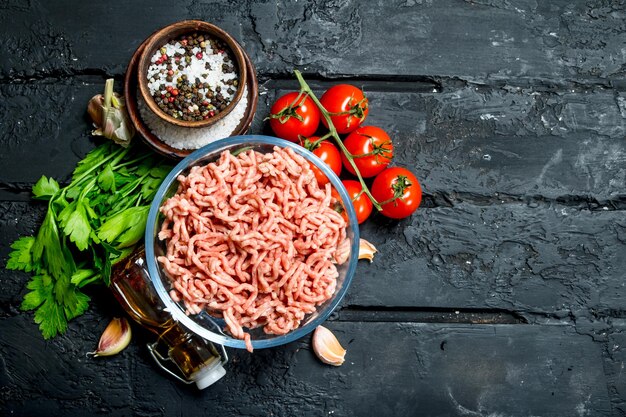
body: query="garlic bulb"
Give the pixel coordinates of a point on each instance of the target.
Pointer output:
(366, 250)
(327, 347)
(115, 338)
(109, 116)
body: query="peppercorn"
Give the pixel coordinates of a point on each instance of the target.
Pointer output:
(187, 96)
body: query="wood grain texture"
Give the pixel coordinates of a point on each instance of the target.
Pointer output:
(546, 259)
(406, 369)
(554, 261)
(484, 146)
(479, 41)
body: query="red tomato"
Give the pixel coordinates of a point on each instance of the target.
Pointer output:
(375, 147)
(398, 191)
(362, 205)
(328, 153)
(338, 206)
(345, 98)
(291, 116)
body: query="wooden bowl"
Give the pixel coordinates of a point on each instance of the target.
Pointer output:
(131, 95)
(174, 32)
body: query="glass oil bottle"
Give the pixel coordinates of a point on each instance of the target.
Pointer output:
(181, 353)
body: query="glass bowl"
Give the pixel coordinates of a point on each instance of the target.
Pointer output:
(205, 325)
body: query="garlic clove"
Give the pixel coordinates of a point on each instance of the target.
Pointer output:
(343, 252)
(114, 339)
(110, 117)
(366, 250)
(327, 347)
(95, 109)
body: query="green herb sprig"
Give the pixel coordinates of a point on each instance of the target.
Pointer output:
(91, 224)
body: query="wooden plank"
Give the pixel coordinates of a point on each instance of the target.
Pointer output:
(615, 358)
(527, 259)
(547, 260)
(45, 131)
(484, 146)
(58, 376)
(480, 41)
(390, 369)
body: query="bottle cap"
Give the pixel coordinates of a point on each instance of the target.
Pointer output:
(209, 374)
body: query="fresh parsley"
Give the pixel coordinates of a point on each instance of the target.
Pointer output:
(91, 224)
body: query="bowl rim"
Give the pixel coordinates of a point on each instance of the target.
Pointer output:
(170, 32)
(172, 307)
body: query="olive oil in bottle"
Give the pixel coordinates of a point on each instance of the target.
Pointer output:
(180, 352)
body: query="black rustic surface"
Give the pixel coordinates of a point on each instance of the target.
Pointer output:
(504, 295)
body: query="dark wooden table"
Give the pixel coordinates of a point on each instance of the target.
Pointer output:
(504, 295)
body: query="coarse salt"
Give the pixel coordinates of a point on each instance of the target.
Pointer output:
(203, 74)
(195, 70)
(193, 138)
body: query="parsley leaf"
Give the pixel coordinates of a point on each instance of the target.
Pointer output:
(21, 257)
(41, 289)
(45, 188)
(77, 226)
(82, 277)
(74, 302)
(47, 247)
(51, 319)
(92, 159)
(126, 227)
(106, 179)
(49, 314)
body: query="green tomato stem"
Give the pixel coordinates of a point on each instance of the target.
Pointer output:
(290, 111)
(304, 87)
(399, 187)
(313, 145)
